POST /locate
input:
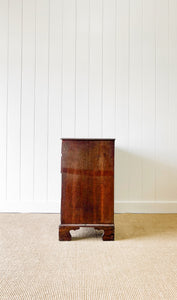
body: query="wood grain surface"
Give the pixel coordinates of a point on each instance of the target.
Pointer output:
(87, 168)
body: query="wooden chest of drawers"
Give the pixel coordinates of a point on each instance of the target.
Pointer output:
(87, 167)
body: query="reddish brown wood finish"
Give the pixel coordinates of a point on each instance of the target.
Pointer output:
(87, 168)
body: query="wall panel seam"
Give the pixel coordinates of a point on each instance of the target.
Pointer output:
(61, 95)
(34, 108)
(75, 71)
(7, 95)
(21, 91)
(48, 89)
(102, 68)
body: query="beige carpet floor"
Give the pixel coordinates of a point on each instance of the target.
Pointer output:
(140, 264)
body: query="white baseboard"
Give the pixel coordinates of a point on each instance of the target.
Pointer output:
(119, 207)
(146, 207)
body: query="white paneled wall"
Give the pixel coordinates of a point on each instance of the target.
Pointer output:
(88, 68)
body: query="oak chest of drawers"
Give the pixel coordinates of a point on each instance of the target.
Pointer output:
(87, 198)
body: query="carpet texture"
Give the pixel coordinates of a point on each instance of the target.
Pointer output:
(140, 264)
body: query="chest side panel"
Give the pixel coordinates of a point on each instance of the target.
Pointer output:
(87, 182)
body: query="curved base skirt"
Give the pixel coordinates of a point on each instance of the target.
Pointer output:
(64, 230)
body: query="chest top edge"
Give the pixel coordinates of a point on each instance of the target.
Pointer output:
(89, 139)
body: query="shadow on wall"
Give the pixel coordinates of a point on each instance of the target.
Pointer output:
(140, 178)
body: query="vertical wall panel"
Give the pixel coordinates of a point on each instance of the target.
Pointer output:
(68, 74)
(122, 102)
(148, 100)
(3, 94)
(162, 101)
(54, 124)
(95, 69)
(82, 67)
(14, 102)
(41, 101)
(28, 95)
(135, 101)
(108, 68)
(172, 192)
